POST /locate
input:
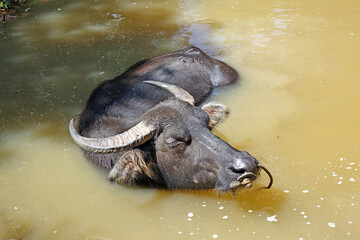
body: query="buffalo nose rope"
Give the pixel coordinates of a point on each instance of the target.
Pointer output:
(270, 176)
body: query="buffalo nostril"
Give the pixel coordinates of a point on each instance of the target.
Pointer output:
(239, 166)
(244, 164)
(238, 170)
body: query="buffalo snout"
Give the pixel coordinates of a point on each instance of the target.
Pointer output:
(242, 170)
(244, 163)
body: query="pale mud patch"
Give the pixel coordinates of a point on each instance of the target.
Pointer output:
(22, 58)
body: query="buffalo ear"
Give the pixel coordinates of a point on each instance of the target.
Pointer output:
(217, 112)
(132, 169)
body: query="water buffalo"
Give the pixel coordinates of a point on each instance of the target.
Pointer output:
(145, 127)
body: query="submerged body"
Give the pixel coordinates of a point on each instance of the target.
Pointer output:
(143, 135)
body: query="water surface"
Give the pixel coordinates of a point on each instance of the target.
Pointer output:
(295, 109)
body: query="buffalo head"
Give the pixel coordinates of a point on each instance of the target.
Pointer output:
(172, 145)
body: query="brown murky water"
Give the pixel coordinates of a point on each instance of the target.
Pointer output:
(296, 109)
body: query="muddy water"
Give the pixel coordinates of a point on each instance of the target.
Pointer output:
(295, 109)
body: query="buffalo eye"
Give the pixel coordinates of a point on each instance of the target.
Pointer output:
(177, 142)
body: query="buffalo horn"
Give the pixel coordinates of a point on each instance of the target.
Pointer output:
(178, 92)
(136, 135)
